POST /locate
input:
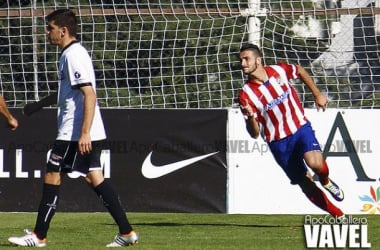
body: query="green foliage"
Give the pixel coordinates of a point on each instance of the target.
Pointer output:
(161, 60)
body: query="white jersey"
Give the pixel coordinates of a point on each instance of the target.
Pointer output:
(76, 70)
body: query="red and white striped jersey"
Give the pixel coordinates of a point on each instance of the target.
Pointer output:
(276, 103)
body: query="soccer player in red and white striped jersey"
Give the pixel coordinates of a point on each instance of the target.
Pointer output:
(271, 107)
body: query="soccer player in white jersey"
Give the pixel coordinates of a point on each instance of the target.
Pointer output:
(271, 107)
(78, 144)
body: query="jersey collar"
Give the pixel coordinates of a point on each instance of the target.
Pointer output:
(75, 41)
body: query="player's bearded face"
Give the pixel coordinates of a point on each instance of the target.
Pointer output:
(248, 62)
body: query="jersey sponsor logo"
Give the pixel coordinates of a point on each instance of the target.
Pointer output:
(280, 99)
(278, 81)
(151, 171)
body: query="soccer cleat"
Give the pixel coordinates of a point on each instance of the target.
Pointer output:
(334, 190)
(29, 240)
(124, 240)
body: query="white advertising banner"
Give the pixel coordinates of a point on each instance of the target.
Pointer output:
(350, 141)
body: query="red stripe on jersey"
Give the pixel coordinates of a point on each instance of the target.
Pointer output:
(275, 120)
(283, 110)
(295, 118)
(291, 107)
(290, 70)
(292, 73)
(280, 124)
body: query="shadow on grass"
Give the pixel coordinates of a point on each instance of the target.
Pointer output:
(173, 224)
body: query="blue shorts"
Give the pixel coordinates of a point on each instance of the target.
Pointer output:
(289, 152)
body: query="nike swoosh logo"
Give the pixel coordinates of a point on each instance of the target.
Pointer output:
(151, 171)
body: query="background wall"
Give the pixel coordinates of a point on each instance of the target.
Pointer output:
(234, 174)
(170, 135)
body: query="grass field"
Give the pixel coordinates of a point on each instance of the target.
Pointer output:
(174, 231)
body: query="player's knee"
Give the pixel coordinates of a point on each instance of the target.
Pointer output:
(95, 177)
(314, 160)
(52, 178)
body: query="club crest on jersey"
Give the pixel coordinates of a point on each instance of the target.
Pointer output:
(77, 75)
(278, 81)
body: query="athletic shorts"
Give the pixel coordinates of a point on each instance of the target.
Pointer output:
(289, 152)
(65, 158)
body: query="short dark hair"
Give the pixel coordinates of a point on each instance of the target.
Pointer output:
(64, 18)
(252, 47)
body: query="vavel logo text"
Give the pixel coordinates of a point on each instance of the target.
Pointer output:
(330, 232)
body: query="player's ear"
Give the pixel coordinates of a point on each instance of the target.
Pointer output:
(259, 60)
(63, 31)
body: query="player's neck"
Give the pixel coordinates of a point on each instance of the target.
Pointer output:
(259, 76)
(67, 42)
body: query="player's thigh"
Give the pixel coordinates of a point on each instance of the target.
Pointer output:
(306, 140)
(61, 156)
(289, 159)
(282, 150)
(309, 148)
(86, 163)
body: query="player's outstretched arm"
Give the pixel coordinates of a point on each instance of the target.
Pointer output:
(320, 100)
(33, 107)
(4, 111)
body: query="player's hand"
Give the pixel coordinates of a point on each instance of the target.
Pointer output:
(247, 109)
(12, 123)
(321, 102)
(84, 144)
